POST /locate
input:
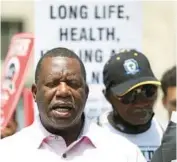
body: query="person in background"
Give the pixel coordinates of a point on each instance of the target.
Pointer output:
(60, 131)
(167, 151)
(11, 128)
(131, 89)
(169, 90)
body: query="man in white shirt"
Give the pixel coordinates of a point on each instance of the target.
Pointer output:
(60, 132)
(131, 89)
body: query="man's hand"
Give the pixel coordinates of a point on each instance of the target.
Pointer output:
(10, 129)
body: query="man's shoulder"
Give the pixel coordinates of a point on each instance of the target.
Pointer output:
(15, 147)
(157, 126)
(16, 140)
(113, 144)
(106, 137)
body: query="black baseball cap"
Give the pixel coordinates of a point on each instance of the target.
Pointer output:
(127, 70)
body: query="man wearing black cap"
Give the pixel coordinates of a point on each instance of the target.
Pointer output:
(131, 89)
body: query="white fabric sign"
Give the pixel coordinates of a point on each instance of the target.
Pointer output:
(94, 30)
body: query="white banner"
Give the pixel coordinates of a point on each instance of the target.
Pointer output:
(94, 30)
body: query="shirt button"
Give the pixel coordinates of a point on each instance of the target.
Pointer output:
(64, 155)
(56, 137)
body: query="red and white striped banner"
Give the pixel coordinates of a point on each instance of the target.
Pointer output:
(13, 74)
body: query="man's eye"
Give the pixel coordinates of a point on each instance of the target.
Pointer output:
(52, 83)
(74, 84)
(49, 84)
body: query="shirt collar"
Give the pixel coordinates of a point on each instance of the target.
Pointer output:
(174, 117)
(40, 133)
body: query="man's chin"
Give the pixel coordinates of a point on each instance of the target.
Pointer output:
(141, 121)
(63, 124)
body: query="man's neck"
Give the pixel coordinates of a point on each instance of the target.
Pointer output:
(121, 125)
(71, 134)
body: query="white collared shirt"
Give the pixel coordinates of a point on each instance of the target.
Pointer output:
(34, 143)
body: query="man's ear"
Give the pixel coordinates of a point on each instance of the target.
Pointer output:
(87, 90)
(34, 91)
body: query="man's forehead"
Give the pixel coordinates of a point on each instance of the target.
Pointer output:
(62, 58)
(59, 64)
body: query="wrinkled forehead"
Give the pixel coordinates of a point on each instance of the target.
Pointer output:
(58, 65)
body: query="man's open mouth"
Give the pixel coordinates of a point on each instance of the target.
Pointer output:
(62, 110)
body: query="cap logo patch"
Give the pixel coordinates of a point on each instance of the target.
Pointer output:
(131, 66)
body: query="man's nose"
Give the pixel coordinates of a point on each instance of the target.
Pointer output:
(63, 90)
(140, 98)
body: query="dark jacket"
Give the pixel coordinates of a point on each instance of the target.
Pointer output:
(167, 151)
